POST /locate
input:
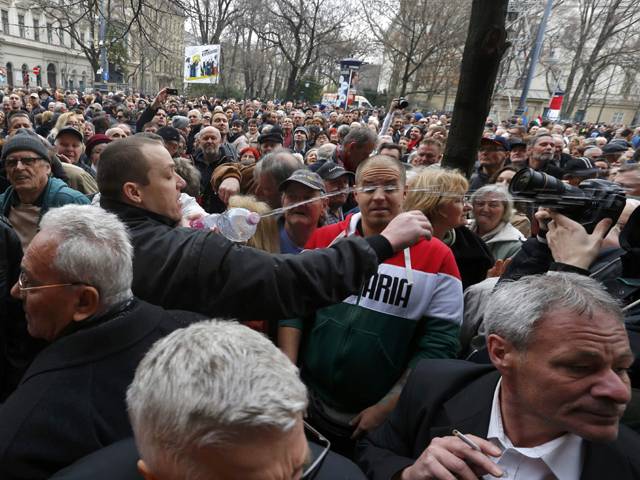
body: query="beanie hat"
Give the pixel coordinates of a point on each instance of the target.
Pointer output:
(25, 140)
(273, 135)
(94, 140)
(180, 122)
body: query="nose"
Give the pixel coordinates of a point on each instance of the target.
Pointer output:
(613, 387)
(180, 183)
(15, 291)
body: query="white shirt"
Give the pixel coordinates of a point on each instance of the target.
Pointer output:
(559, 459)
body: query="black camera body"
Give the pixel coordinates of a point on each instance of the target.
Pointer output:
(403, 103)
(587, 204)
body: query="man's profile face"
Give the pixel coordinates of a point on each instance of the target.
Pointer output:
(630, 181)
(579, 384)
(48, 310)
(161, 194)
(358, 153)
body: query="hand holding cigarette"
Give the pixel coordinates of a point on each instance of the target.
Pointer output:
(461, 456)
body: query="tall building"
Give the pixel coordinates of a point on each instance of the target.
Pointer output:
(29, 40)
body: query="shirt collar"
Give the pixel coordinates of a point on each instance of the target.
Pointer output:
(563, 455)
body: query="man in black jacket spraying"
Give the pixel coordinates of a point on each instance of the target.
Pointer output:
(203, 272)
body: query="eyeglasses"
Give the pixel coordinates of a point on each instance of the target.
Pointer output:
(22, 281)
(385, 188)
(316, 437)
(26, 161)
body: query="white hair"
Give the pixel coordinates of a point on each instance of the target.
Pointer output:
(516, 308)
(94, 248)
(205, 385)
(499, 191)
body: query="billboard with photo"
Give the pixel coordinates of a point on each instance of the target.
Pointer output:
(202, 64)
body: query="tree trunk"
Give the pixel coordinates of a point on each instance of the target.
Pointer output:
(291, 83)
(484, 47)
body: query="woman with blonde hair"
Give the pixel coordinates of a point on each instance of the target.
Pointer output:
(67, 119)
(439, 194)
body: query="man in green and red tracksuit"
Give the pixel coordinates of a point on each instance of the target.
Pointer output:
(354, 356)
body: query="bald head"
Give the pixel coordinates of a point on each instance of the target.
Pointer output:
(209, 140)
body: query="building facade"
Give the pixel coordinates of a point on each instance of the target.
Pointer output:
(35, 52)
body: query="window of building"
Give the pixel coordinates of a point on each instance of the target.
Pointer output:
(21, 25)
(61, 35)
(82, 38)
(5, 21)
(49, 33)
(36, 29)
(617, 117)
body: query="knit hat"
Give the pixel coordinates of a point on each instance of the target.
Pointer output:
(274, 135)
(25, 140)
(180, 122)
(94, 140)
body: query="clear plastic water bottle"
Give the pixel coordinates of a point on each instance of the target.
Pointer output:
(237, 224)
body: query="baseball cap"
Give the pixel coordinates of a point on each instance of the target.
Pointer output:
(169, 134)
(497, 140)
(516, 142)
(331, 171)
(305, 177)
(580, 167)
(71, 130)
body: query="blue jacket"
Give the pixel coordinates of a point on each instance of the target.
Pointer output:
(55, 194)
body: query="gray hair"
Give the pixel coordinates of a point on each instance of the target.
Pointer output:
(360, 136)
(515, 308)
(206, 384)
(500, 191)
(94, 248)
(326, 151)
(279, 164)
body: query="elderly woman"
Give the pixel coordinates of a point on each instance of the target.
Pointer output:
(439, 194)
(492, 211)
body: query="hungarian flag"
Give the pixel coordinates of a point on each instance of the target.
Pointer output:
(555, 105)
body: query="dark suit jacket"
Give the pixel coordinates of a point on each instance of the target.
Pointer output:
(71, 400)
(441, 395)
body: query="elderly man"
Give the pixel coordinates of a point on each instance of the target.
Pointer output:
(204, 272)
(540, 151)
(300, 221)
(75, 285)
(429, 152)
(548, 407)
(356, 146)
(355, 355)
(336, 182)
(219, 401)
(33, 191)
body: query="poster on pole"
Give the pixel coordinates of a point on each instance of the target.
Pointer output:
(202, 64)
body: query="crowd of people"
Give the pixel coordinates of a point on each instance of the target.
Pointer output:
(389, 319)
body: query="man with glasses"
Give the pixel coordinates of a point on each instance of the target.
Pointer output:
(33, 191)
(75, 287)
(218, 400)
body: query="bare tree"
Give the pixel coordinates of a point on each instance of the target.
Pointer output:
(210, 18)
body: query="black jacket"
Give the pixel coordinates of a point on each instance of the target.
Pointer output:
(208, 198)
(472, 256)
(204, 272)
(71, 400)
(441, 395)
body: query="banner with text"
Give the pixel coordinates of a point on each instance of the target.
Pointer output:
(202, 64)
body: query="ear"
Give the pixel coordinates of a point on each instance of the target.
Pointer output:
(131, 192)
(144, 470)
(502, 353)
(87, 303)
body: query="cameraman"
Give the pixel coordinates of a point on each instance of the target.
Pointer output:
(398, 105)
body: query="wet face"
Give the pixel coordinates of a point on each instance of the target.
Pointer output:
(427, 155)
(306, 215)
(337, 185)
(488, 211)
(70, 146)
(579, 384)
(380, 195)
(161, 194)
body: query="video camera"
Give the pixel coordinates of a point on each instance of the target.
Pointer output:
(587, 204)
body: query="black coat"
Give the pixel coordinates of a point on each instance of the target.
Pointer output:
(201, 271)
(472, 256)
(441, 395)
(208, 198)
(71, 400)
